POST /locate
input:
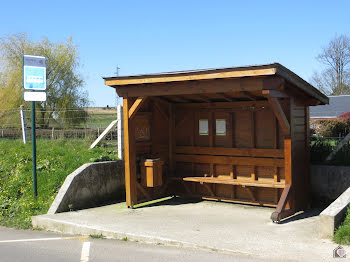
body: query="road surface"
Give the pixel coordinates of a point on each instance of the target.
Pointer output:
(39, 246)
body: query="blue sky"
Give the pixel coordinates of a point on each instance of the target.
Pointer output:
(157, 36)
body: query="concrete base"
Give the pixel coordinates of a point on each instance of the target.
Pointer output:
(333, 215)
(210, 225)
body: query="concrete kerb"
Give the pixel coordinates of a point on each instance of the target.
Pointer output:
(333, 215)
(53, 225)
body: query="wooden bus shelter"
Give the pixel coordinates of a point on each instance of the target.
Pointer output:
(238, 134)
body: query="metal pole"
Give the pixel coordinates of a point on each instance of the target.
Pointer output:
(23, 124)
(35, 188)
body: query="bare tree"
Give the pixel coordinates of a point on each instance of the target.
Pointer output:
(335, 78)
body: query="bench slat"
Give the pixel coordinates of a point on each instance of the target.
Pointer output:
(214, 180)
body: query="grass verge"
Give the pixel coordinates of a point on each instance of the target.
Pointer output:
(55, 160)
(99, 236)
(342, 234)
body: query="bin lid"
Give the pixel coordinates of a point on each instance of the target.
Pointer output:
(152, 160)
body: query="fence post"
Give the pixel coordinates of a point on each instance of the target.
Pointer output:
(52, 133)
(120, 131)
(2, 132)
(23, 124)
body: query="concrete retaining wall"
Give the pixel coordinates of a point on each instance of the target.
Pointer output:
(328, 182)
(333, 215)
(90, 185)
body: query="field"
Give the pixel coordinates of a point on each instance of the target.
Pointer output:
(55, 160)
(100, 117)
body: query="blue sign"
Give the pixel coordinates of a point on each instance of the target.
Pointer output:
(34, 72)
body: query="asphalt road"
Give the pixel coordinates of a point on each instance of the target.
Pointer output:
(39, 246)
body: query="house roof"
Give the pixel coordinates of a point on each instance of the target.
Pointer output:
(337, 105)
(274, 69)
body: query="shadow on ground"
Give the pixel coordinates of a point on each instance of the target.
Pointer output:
(314, 212)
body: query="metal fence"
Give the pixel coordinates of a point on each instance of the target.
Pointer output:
(55, 133)
(64, 128)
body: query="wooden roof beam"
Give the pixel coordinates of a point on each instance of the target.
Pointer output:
(201, 98)
(161, 100)
(249, 96)
(225, 97)
(274, 93)
(205, 98)
(196, 87)
(181, 99)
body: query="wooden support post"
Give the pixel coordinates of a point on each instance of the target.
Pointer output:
(285, 205)
(307, 161)
(278, 111)
(232, 172)
(120, 131)
(130, 155)
(252, 120)
(288, 160)
(275, 174)
(171, 139)
(280, 211)
(275, 146)
(136, 106)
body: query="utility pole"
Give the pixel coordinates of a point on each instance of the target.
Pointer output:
(117, 71)
(116, 96)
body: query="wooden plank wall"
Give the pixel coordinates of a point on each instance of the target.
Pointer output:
(300, 153)
(152, 141)
(247, 128)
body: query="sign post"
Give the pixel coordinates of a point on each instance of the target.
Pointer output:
(34, 80)
(35, 184)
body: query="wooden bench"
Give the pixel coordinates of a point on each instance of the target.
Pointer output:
(225, 181)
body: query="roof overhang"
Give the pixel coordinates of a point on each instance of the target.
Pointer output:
(274, 69)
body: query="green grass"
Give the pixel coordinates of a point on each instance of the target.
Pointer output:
(342, 234)
(97, 236)
(55, 160)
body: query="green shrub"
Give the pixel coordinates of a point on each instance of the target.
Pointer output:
(332, 128)
(320, 148)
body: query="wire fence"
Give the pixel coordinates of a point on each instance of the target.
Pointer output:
(52, 126)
